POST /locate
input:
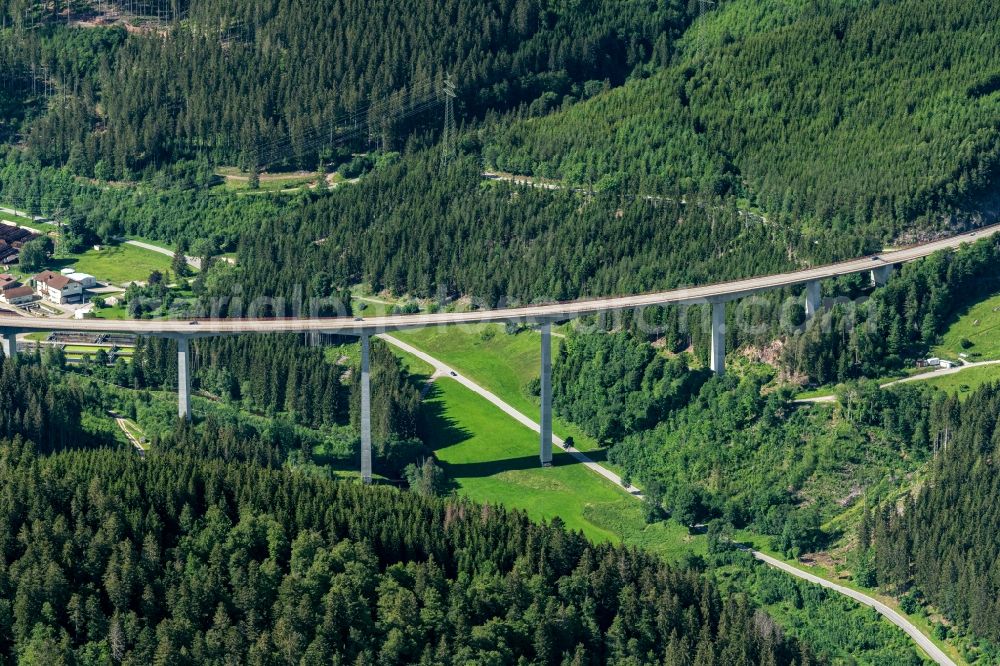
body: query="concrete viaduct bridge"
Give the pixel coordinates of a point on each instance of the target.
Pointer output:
(879, 266)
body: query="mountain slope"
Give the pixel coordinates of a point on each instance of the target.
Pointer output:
(860, 115)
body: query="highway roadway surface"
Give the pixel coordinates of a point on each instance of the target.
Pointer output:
(529, 314)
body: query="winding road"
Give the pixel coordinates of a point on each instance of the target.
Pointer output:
(925, 643)
(943, 372)
(441, 369)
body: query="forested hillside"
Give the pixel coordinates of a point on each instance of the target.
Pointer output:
(942, 545)
(737, 448)
(781, 468)
(261, 83)
(413, 230)
(900, 322)
(865, 116)
(176, 560)
(285, 379)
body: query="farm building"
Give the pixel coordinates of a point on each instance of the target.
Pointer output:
(88, 281)
(12, 239)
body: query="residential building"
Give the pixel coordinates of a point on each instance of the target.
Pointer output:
(18, 295)
(58, 288)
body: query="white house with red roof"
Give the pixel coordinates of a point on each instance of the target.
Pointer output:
(57, 288)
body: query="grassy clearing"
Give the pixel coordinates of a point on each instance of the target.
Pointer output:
(236, 180)
(968, 380)
(116, 312)
(825, 391)
(133, 429)
(821, 392)
(93, 349)
(117, 264)
(420, 371)
(363, 306)
(980, 326)
(499, 362)
(492, 458)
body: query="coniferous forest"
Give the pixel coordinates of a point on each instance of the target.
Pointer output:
(659, 144)
(176, 560)
(263, 83)
(941, 545)
(857, 116)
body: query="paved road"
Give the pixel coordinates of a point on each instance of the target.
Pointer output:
(193, 262)
(21, 213)
(926, 644)
(943, 372)
(533, 313)
(442, 369)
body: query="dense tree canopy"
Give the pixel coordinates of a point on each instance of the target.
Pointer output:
(34, 407)
(944, 541)
(173, 560)
(259, 82)
(864, 115)
(759, 460)
(614, 385)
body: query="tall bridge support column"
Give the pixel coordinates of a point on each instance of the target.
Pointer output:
(545, 450)
(184, 378)
(814, 298)
(718, 360)
(881, 275)
(366, 410)
(8, 341)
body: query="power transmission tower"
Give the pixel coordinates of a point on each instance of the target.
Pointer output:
(448, 138)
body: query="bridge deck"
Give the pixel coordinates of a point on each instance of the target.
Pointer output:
(534, 313)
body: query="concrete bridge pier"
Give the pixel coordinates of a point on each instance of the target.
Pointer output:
(718, 356)
(8, 341)
(814, 298)
(545, 451)
(184, 378)
(366, 410)
(881, 275)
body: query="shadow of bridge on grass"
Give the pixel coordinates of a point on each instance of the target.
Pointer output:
(442, 432)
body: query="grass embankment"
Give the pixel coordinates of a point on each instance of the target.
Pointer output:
(21, 220)
(979, 327)
(234, 179)
(133, 429)
(493, 459)
(501, 363)
(118, 264)
(964, 383)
